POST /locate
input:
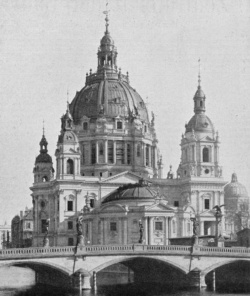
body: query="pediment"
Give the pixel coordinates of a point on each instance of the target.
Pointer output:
(123, 178)
(159, 207)
(209, 139)
(207, 213)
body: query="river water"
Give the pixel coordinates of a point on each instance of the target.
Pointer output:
(20, 282)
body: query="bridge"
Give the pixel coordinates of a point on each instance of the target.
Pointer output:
(78, 267)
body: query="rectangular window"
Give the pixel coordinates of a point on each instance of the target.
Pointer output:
(43, 225)
(28, 225)
(188, 227)
(206, 204)
(158, 225)
(176, 203)
(70, 205)
(110, 152)
(70, 225)
(119, 124)
(113, 226)
(93, 154)
(70, 241)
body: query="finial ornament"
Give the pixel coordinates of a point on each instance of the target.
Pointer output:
(43, 127)
(107, 18)
(199, 75)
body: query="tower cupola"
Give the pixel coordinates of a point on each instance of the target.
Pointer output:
(43, 170)
(199, 99)
(107, 52)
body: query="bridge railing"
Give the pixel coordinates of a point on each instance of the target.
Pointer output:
(105, 250)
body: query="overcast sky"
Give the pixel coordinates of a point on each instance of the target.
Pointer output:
(47, 46)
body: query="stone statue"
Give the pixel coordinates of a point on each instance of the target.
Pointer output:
(153, 119)
(80, 238)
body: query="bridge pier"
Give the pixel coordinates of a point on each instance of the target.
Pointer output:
(81, 280)
(196, 279)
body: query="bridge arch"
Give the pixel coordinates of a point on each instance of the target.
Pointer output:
(124, 259)
(32, 264)
(222, 263)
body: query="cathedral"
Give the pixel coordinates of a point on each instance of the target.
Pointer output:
(108, 169)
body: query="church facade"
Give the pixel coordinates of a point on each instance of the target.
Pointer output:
(108, 168)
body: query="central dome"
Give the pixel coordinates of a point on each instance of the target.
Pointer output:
(111, 96)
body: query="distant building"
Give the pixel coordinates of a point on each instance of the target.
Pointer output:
(236, 207)
(22, 228)
(5, 231)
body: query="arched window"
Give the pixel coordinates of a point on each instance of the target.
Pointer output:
(200, 103)
(45, 179)
(70, 167)
(205, 155)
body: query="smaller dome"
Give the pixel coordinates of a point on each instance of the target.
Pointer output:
(136, 191)
(200, 122)
(107, 39)
(43, 157)
(199, 93)
(235, 189)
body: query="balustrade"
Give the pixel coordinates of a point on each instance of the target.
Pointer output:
(39, 252)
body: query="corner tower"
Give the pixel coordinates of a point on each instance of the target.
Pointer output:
(111, 120)
(200, 143)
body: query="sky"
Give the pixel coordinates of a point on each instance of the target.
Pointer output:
(47, 46)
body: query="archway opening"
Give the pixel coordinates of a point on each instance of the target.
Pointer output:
(232, 277)
(140, 275)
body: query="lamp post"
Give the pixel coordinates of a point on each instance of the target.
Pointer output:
(195, 228)
(46, 239)
(141, 229)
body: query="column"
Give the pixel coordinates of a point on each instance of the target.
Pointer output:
(146, 230)
(90, 232)
(201, 227)
(144, 153)
(104, 231)
(212, 154)
(101, 231)
(62, 162)
(120, 231)
(195, 152)
(97, 151)
(114, 151)
(150, 239)
(125, 231)
(149, 156)
(89, 156)
(169, 228)
(166, 231)
(106, 151)
(183, 227)
(125, 153)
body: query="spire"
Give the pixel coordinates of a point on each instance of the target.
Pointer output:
(199, 97)
(43, 143)
(199, 75)
(106, 12)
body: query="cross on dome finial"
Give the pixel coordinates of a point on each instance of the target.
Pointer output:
(107, 18)
(199, 75)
